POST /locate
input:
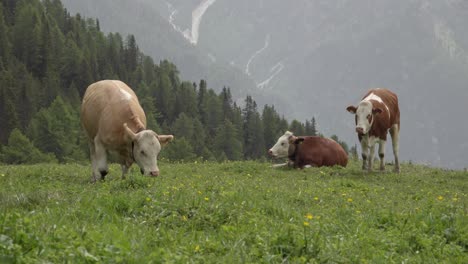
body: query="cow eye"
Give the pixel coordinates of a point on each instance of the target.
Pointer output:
(282, 144)
(142, 152)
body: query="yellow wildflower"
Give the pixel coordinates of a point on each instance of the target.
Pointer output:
(148, 199)
(440, 197)
(350, 200)
(184, 218)
(306, 223)
(309, 216)
(316, 198)
(207, 199)
(197, 248)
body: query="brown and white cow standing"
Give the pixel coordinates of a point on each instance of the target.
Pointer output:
(114, 120)
(376, 115)
(309, 151)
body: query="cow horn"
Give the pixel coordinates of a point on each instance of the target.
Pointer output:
(129, 132)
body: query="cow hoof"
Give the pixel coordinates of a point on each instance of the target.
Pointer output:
(103, 173)
(396, 170)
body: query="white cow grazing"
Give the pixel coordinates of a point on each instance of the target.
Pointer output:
(114, 121)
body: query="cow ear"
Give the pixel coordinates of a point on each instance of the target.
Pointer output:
(298, 140)
(128, 132)
(376, 111)
(165, 139)
(292, 139)
(352, 109)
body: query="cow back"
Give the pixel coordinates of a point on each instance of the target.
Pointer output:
(106, 106)
(319, 151)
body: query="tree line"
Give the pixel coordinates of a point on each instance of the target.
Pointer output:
(48, 58)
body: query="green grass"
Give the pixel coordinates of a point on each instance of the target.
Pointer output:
(236, 212)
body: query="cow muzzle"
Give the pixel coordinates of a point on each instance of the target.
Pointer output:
(154, 173)
(360, 130)
(270, 152)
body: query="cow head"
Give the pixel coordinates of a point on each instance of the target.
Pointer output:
(364, 116)
(146, 146)
(280, 149)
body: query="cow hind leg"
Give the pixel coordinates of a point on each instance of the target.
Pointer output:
(395, 133)
(100, 169)
(382, 154)
(92, 155)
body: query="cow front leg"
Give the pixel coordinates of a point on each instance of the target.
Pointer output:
(125, 164)
(395, 133)
(382, 154)
(100, 169)
(365, 152)
(371, 158)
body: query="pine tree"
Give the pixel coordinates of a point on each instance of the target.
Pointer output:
(297, 128)
(4, 41)
(8, 113)
(313, 127)
(186, 100)
(56, 130)
(183, 127)
(271, 122)
(179, 150)
(227, 104)
(226, 142)
(147, 103)
(212, 109)
(20, 150)
(131, 53)
(254, 145)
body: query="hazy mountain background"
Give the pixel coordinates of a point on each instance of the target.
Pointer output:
(314, 58)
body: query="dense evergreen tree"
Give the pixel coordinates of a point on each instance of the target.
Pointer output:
(226, 143)
(297, 128)
(254, 144)
(271, 122)
(47, 60)
(21, 150)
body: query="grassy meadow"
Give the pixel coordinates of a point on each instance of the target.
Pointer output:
(234, 212)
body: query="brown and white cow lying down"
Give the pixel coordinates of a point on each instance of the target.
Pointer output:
(376, 115)
(114, 120)
(309, 151)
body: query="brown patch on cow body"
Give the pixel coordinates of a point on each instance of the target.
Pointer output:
(389, 116)
(317, 152)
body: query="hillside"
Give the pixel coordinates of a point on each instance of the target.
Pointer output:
(157, 38)
(48, 57)
(234, 212)
(314, 58)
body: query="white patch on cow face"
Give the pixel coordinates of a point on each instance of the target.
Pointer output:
(364, 118)
(125, 95)
(377, 98)
(280, 149)
(146, 149)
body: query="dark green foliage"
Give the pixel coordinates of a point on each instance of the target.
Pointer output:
(47, 60)
(179, 149)
(21, 150)
(297, 128)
